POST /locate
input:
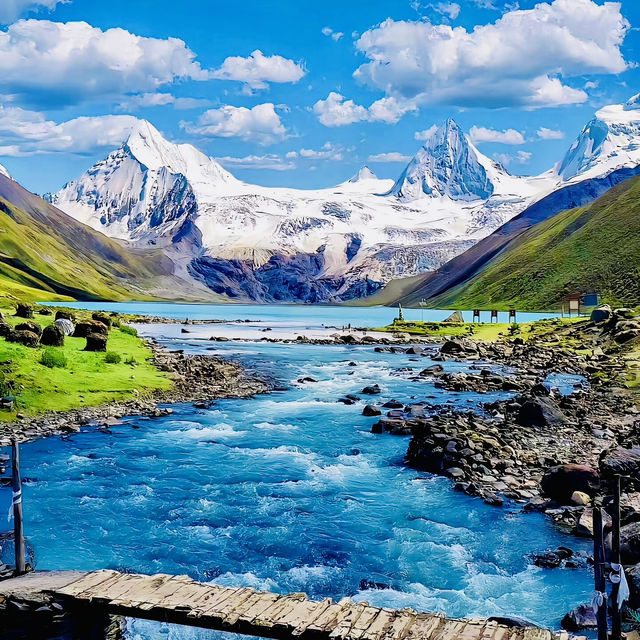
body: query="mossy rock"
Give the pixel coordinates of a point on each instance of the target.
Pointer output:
(52, 336)
(65, 315)
(26, 338)
(29, 326)
(83, 329)
(104, 318)
(96, 342)
(24, 310)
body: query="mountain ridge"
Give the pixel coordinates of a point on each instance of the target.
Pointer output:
(269, 244)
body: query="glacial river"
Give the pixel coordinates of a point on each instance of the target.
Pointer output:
(288, 491)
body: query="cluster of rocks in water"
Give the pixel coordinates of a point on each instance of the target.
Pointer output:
(547, 451)
(31, 334)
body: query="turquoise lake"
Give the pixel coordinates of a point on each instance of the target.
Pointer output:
(288, 491)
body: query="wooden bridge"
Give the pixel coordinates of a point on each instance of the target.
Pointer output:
(181, 600)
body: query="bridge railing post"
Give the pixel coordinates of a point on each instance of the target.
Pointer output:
(18, 526)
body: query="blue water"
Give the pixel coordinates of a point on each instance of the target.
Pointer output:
(290, 492)
(294, 315)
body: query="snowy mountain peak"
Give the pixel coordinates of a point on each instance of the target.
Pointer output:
(364, 174)
(4, 172)
(447, 165)
(609, 141)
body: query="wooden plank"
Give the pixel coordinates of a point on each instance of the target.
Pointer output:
(347, 621)
(400, 625)
(150, 589)
(450, 630)
(89, 593)
(87, 581)
(379, 625)
(425, 626)
(207, 604)
(222, 610)
(167, 589)
(313, 616)
(261, 600)
(258, 608)
(329, 618)
(302, 613)
(280, 607)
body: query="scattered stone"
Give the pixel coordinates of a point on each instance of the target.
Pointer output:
(560, 482)
(96, 342)
(540, 411)
(29, 326)
(82, 329)
(103, 318)
(582, 617)
(580, 499)
(65, 325)
(370, 410)
(24, 310)
(26, 338)
(63, 314)
(52, 336)
(372, 390)
(601, 313)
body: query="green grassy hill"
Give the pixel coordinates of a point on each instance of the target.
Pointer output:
(47, 255)
(592, 248)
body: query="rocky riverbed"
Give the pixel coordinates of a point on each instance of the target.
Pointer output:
(196, 378)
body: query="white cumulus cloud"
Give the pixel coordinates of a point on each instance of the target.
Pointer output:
(505, 159)
(449, 9)
(425, 134)
(327, 152)
(24, 132)
(549, 134)
(336, 111)
(66, 63)
(391, 156)
(257, 70)
(477, 135)
(12, 9)
(330, 33)
(521, 59)
(259, 124)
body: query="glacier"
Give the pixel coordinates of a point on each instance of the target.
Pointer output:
(268, 244)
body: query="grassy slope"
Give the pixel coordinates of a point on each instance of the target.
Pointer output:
(60, 255)
(593, 248)
(87, 380)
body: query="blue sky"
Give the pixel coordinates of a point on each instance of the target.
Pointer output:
(302, 94)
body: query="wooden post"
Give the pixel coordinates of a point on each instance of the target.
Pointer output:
(18, 530)
(598, 570)
(616, 617)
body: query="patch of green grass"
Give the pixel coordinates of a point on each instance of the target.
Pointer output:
(112, 357)
(87, 380)
(125, 328)
(53, 357)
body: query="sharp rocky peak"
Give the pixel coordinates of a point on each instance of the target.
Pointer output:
(364, 174)
(447, 165)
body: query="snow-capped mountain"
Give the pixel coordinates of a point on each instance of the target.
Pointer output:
(4, 172)
(448, 165)
(265, 244)
(611, 140)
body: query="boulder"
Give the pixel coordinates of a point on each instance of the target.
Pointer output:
(102, 317)
(61, 314)
(24, 310)
(540, 412)
(27, 338)
(29, 326)
(582, 617)
(560, 482)
(626, 336)
(455, 317)
(630, 543)
(5, 329)
(621, 461)
(601, 313)
(414, 351)
(65, 325)
(52, 336)
(458, 346)
(96, 342)
(580, 499)
(44, 311)
(372, 390)
(370, 410)
(83, 329)
(633, 580)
